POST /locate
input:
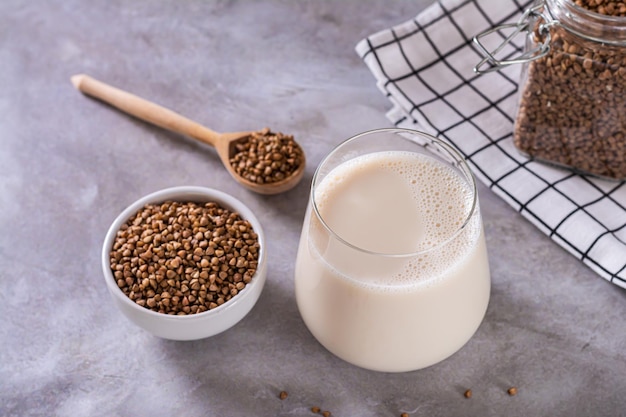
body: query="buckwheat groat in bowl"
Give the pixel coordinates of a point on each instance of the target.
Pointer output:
(185, 263)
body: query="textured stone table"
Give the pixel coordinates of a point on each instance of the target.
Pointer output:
(69, 165)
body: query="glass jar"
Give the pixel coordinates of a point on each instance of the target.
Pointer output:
(572, 96)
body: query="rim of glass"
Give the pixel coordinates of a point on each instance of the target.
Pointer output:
(446, 147)
(566, 5)
(587, 24)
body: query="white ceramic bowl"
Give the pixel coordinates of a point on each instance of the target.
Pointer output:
(193, 326)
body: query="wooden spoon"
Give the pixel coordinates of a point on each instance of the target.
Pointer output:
(224, 143)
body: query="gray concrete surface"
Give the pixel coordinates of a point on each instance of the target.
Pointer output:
(69, 165)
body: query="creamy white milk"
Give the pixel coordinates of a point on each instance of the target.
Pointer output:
(393, 313)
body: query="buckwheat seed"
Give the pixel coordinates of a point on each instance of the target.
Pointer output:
(267, 157)
(175, 258)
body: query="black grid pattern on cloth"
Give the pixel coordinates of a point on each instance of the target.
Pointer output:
(425, 67)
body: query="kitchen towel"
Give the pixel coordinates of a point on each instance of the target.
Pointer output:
(425, 67)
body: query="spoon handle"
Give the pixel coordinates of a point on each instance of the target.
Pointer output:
(144, 109)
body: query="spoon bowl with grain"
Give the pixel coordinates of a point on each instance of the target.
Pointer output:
(262, 161)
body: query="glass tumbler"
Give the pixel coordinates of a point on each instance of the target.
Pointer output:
(392, 271)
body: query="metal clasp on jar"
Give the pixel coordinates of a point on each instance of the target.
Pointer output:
(523, 26)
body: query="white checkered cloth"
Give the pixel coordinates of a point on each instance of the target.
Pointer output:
(425, 67)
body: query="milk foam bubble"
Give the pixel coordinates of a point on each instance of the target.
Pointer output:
(435, 230)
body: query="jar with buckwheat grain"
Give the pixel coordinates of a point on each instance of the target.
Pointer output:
(572, 92)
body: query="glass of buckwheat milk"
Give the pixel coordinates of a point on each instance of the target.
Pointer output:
(392, 272)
